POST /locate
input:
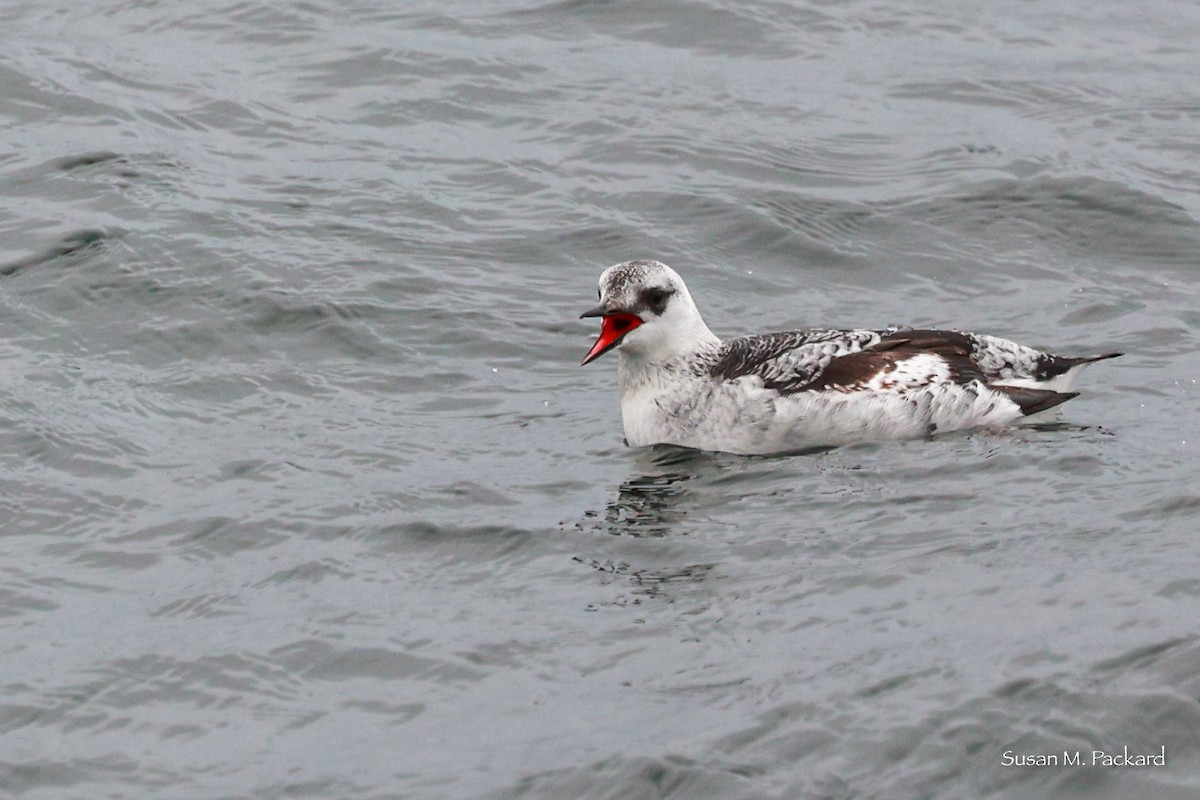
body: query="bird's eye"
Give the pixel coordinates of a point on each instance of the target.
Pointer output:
(656, 299)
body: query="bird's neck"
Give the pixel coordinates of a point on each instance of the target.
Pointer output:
(646, 367)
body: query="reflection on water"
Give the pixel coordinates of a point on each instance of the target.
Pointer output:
(647, 505)
(666, 484)
(647, 581)
(1058, 426)
(650, 502)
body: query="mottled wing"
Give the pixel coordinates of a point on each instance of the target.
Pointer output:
(913, 361)
(788, 360)
(895, 361)
(895, 364)
(998, 359)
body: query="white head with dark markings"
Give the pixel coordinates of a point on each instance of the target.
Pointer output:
(647, 313)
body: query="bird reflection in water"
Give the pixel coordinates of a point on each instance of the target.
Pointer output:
(652, 503)
(649, 582)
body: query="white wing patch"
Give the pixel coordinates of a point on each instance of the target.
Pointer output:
(914, 372)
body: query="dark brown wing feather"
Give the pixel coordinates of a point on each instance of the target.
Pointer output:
(854, 371)
(848, 361)
(998, 359)
(1031, 401)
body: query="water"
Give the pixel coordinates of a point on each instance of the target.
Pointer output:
(303, 493)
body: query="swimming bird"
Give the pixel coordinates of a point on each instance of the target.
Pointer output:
(793, 390)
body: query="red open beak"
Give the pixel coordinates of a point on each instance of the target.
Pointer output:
(613, 328)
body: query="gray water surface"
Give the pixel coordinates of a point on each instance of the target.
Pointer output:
(303, 494)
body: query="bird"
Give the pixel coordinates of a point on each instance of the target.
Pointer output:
(797, 390)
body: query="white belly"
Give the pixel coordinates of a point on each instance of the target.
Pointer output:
(742, 417)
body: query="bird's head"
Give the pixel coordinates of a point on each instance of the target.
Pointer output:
(646, 311)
